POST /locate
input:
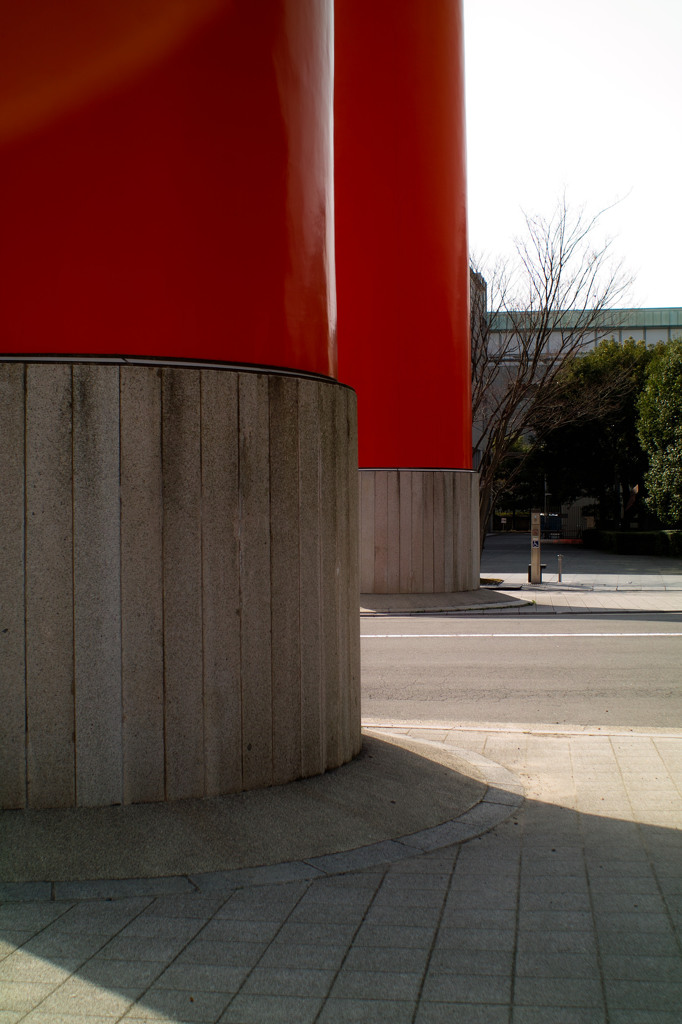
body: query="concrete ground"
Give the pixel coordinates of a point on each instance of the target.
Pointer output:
(561, 908)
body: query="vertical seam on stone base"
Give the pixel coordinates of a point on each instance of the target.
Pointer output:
(25, 433)
(73, 606)
(162, 393)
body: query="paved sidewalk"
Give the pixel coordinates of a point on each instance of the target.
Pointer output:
(565, 908)
(569, 910)
(591, 582)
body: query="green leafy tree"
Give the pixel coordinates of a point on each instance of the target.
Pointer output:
(601, 455)
(660, 432)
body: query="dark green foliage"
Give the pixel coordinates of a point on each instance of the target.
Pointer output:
(660, 432)
(600, 455)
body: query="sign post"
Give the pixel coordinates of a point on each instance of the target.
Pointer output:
(535, 566)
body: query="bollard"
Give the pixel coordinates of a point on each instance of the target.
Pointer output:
(560, 561)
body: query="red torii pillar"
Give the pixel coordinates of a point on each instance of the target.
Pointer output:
(403, 289)
(178, 559)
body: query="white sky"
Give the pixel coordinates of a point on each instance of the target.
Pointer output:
(586, 96)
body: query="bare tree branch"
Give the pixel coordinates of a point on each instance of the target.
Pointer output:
(531, 316)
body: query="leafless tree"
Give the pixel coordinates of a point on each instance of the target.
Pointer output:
(531, 316)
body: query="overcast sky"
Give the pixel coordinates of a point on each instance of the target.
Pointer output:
(586, 96)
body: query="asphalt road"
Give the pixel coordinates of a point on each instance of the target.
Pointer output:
(582, 671)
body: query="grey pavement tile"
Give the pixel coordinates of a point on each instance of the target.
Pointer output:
(23, 967)
(633, 922)
(393, 935)
(460, 1013)
(10, 1017)
(558, 1015)
(225, 930)
(30, 916)
(406, 896)
(608, 903)
(554, 901)
(139, 947)
(273, 981)
(556, 965)
(204, 977)
(620, 884)
(280, 955)
(478, 899)
(65, 946)
(319, 912)
(407, 873)
(263, 1009)
(467, 918)
(552, 883)
(180, 928)
(323, 896)
(244, 911)
(367, 1011)
(467, 962)
(371, 985)
(325, 934)
(133, 974)
(644, 995)
(638, 944)
(643, 1017)
(278, 892)
(558, 992)
(22, 996)
(495, 938)
(553, 863)
(464, 988)
(38, 1017)
(557, 942)
(555, 920)
(12, 939)
(78, 997)
(181, 1004)
(229, 954)
(364, 958)
(192, 905)
(471, 877)
(642, 968)
(426, 917)
(100, 916)
(435, 861)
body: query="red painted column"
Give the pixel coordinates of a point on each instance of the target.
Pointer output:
(402, 261)
(166, 180)
(178, 466)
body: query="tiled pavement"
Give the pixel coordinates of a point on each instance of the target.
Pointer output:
(570, 911)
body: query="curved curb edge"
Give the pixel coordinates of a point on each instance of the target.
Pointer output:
(503, 796)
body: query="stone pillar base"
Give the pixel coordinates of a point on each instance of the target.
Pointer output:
(178, 571)
(418, 531)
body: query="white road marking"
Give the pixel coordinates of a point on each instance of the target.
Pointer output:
(495, 636)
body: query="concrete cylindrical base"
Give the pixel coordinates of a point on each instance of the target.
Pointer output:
(418, 531)
(178, 571)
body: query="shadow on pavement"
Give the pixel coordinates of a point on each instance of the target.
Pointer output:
(575, 910)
